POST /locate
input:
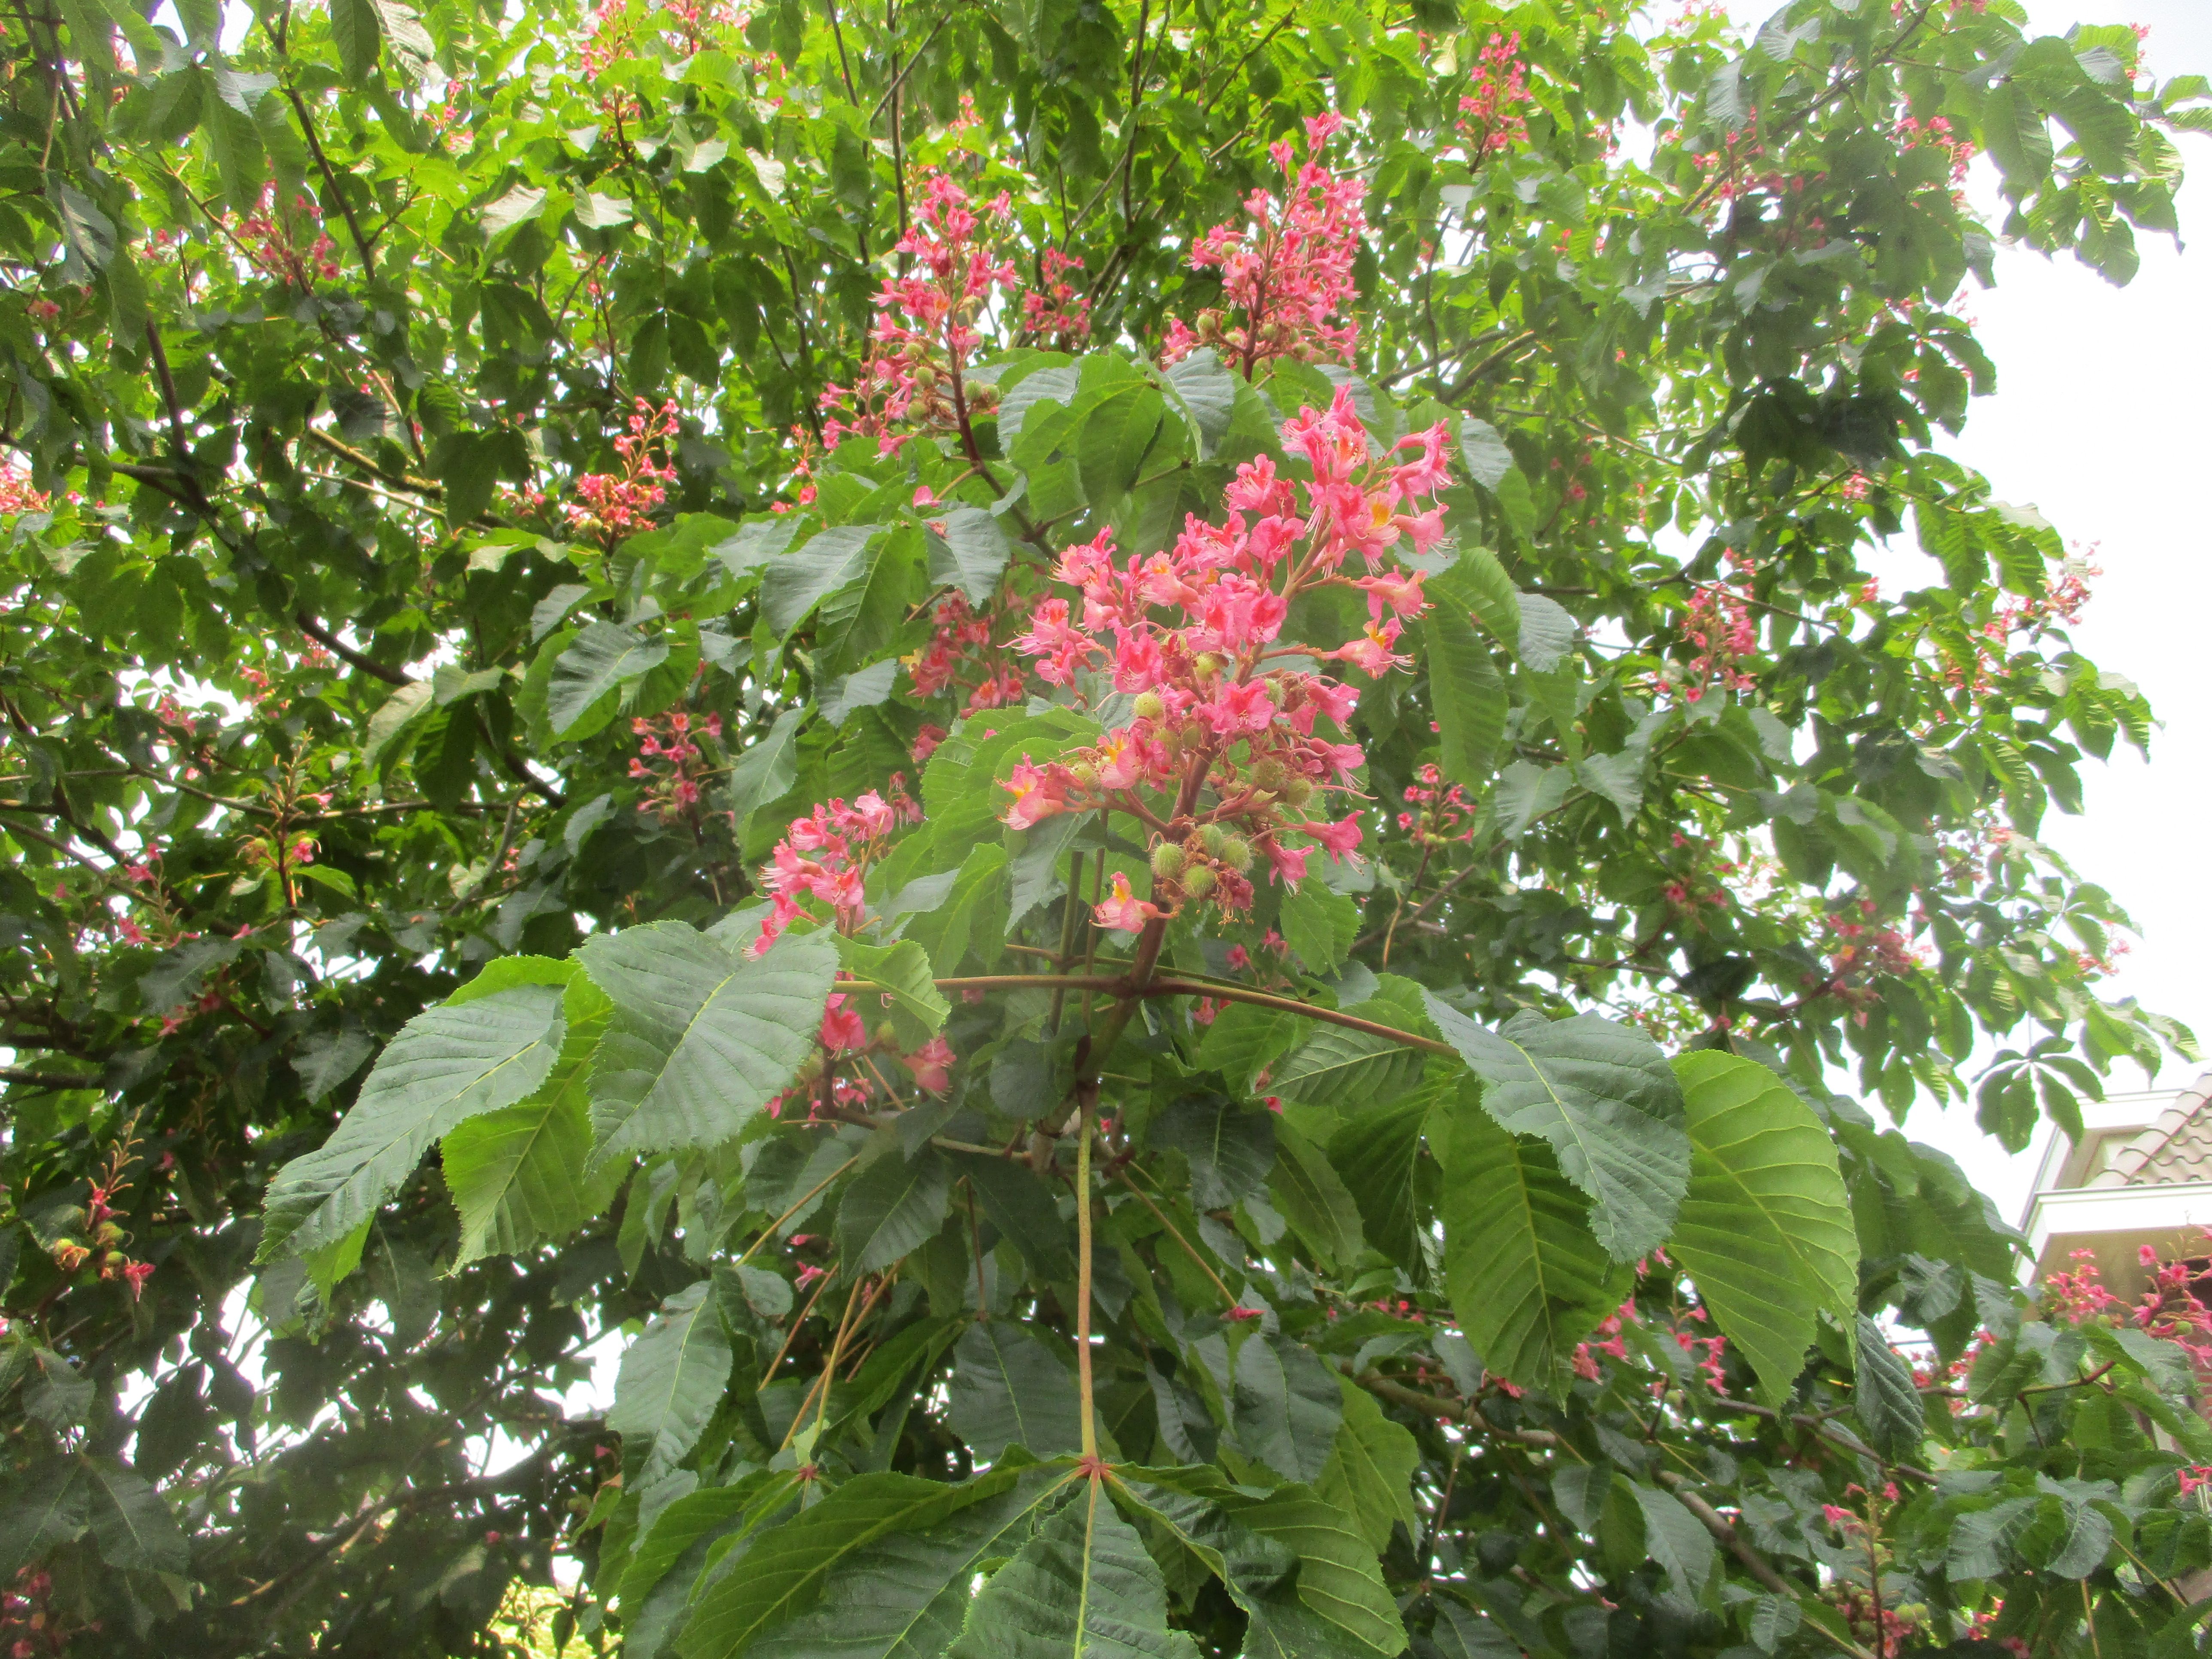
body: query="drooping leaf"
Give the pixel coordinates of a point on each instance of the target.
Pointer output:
(1370, 1472)
(1009, 1390)
(794, 583)
(1339, 1580)
(1314, 1200)
(1601, 1094)
(671, 1379)
(449, 1064)
(1678, 1541)
(701, 1037)
(1468, 695)
(901, 972)
(1766, 1228)
(1376, 1152)
(1230, 1148)
(892, 1207)
(1886, 1401)
(596, 665)
(1285, 1408)
(1525, 1273)
(132, 1524)
(970, 554)
(49, 1504)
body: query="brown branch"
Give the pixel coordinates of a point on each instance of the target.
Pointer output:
(1291, 1005)
(337, 648)
(331, 178)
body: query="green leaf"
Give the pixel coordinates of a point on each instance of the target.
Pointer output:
(447, 1065)
(701, 1037)
(1338, 1063)
(765, 772)
(786, 1567)
(1207, 392)
(1083, 1587)
(1009, 1390)
(1285, 1408)
(1547, 633)
(354, 27)
(132, 1523)
(969, 554)
(1488, 460)
(591, 672)
(671, 1379)
(1339, 1578)
(1766, 1228)
(794, 583)
(49, 1504)
(1319, 926)
(1468, 695)
(907, 1596)
(1376, 1151)
(1886, 1401)
(901, 972)
(1525, 1274)
(1477, 583)
(1311, 1197)
(1231, 1149)
(1243, 1039)
(394, 715)
(1678, 1541)
(1371, 1470)
(1113, 439)
(1019, 1205)
(893, 1206)
(1603, 1095)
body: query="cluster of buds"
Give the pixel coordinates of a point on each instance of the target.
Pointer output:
(613, 505)
(1719, 631)
(1936, 133)
(608, 38)
(105, 1252)
(667, 760)
(1055, 312)
(1859, 953)
(929, 325)
(802, 469)
(16, 494)
(1234, 741)
(960, 655)
(1440, 813)
(1291, 273)
(275, 238)
(1494, 116)
(825, 855)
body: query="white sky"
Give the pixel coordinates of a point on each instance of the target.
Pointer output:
(2100, 419)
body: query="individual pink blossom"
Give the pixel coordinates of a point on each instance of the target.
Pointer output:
(1122, 910)
(930, 1065)
(842, 1028)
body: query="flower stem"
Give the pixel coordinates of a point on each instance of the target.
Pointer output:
(1087, 1097)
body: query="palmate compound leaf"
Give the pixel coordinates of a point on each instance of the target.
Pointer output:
(702, 1036)
(789, 1566)
(1603, 1095)
(518, 1175)
(1766, 1228)
(1526, 1275)
(447, 1065)
(671, 1379)
(1082, 1587)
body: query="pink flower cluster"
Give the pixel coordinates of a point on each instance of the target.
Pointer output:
(1494, 116)
(16, 493)
(671, 743)
(825, 856)
(960, 656)
(1718, 625)
(275, 240)
(1230, 739)
(928, 327)
(1936, 133)
(1055, 312)
(2168, 1308)
(1440, 809)
(613, 505)
(1290, 274)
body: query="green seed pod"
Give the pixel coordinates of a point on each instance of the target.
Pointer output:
(1297, 792)
(1236, 853)
(886, 1036)
(1168, 861)
(1083, 773)
(1149, 706)
(1207, 667)
(1269, 773)
(1211, 838)
(1198, 881)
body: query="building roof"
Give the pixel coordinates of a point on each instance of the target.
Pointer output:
(2176, 1148)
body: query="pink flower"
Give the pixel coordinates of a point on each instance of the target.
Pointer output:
(932, 1066)
(1123, 911)
(842, 1028)
(1340, 837)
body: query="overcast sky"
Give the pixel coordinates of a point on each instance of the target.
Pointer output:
(2103, 418)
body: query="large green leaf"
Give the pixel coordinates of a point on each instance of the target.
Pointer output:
(1601, 1094)
(518, 1175)
(131, 1522)
(892, 1206)
(1468, 694)
(48, 1504)
(1339, 1578)
(1370, 1472)
(1527, 1276)
(1082, 1587)
(702, 1037)
(1009, 1390)
(1314, 1200)
(969, 554)
(1678, 1541)
(1230, 1149)
(1765, 1228)
(907, 1595)
(447, 1065)
(597, 664)
(787, 1566)
(671, 1379)
(1285, 1406)
(794, 583)
(1377, 1151)
(901, 975)
(1887, 1400)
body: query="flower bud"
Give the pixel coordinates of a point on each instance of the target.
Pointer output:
(1236, 853)
(1168, 861)
(1149, 706)
(1198, 881)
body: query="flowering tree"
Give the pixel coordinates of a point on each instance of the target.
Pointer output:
(1129, 791)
